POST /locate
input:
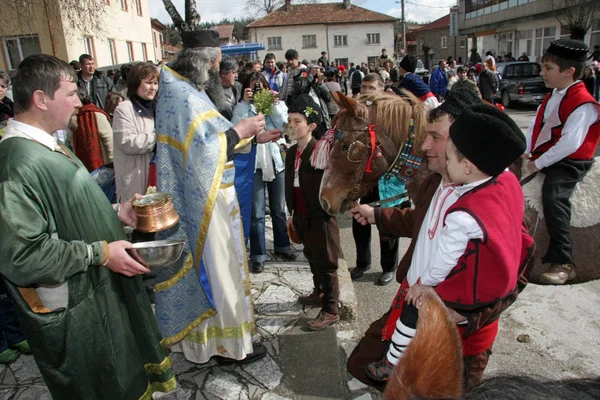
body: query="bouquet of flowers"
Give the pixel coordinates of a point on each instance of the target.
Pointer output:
(264, 101)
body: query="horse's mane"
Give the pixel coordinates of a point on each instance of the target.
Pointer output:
(394, 114)
(432, 366)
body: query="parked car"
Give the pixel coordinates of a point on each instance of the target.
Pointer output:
(520, 81)
(422, 71)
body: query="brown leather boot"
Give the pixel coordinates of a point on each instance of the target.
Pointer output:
(323, 320)
(315, 299)
(558, 274)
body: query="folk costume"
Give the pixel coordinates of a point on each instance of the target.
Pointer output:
(92, 331)
(203, 302)
(317, 230)
(561, 141)
(415, 84)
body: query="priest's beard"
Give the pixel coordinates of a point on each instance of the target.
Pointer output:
(215, 92)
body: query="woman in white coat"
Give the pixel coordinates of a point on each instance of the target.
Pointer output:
(133, 128)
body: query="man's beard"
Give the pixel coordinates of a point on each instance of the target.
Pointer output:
(215, 92)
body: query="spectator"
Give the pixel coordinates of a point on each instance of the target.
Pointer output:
(451, 73)
(95, 85)
(438, 82)
(464, 81)
(488, 80)
(268, 172)
(113, 99)
(6, 104)
(134, 137)
(232, 89)
(121, 85)
(323, 59)
(509, 57)
(355, 80)
(340, 77)
(294, 66)
(595, 56)
(523, 57)
(76, 65)
(272, 73)
(589, 80)
(383, 58)
(334, 86)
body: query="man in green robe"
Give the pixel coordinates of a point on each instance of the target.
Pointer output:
(83, 305)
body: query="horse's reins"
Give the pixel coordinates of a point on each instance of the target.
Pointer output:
(404, 165)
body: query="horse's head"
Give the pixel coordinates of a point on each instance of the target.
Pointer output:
(370, 135)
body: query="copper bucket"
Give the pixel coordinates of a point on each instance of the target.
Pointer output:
(155, 212)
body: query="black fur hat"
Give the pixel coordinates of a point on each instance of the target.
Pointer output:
(459, 100)
(305, 105)
(569, 49)
(488, 137)
(409, 63)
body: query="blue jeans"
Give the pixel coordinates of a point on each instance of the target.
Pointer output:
(276, 188)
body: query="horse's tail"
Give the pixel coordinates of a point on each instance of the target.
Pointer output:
(432, 366)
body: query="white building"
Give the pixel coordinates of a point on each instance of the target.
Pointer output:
(514, 26)
(347, 33)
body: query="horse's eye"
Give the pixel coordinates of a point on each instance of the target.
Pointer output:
(345, 148)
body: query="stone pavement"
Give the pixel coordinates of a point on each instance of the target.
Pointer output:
(300, 364)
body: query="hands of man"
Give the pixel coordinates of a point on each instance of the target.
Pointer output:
(121, 262)
(272, 135)
(249, 127)
(531, 167)
(413, 294)
(363, 214)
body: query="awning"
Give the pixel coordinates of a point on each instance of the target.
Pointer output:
(238, 49)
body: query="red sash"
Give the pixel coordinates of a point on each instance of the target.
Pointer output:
(426, 96)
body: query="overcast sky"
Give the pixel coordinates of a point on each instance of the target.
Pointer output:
(214, 11)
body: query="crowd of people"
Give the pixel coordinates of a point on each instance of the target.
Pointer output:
(196, 129)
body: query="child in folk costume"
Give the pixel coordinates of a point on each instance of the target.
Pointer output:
(317, 230)
(414, 83)
(561, 141)
(481, 242)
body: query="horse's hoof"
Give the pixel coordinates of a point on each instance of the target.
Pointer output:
(558, 274)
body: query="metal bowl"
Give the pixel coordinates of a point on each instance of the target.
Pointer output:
(157, 254)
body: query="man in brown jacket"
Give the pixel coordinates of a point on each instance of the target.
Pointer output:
(394, 222)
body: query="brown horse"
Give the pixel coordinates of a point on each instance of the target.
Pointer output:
(371, 133)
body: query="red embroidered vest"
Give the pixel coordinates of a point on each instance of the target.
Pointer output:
(488, 270)
(576, 96)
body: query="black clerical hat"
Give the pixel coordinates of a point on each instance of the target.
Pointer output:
(200, 39)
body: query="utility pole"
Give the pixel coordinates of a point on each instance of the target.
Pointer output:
(403, 29)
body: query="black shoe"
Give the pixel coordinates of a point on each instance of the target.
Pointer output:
(385, 278)
(259, 352)
(286, 256)
(258, 267)
(358, 272)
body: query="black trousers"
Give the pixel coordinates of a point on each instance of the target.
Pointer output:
(362, 240)
(10, 331)
(561, 179)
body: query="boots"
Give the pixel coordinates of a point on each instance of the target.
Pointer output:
(315, 298)
(558, 274)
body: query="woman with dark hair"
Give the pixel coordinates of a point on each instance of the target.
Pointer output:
(6, 104)
(268, 171)
(588, 79)
(133, 127)
(113, 99)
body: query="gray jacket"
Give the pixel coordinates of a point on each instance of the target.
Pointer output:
(100, 87)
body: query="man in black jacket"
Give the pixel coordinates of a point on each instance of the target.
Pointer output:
(95, 84)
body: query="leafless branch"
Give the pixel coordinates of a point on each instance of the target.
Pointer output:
(259, 8)
(577, 16)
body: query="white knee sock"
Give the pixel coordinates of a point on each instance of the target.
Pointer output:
(400, 339)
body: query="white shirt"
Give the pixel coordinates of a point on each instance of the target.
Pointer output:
(22, 130)
(440, 246)
(573, 133)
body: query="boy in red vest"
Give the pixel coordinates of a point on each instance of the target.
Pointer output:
(561, 141)
(482, 245)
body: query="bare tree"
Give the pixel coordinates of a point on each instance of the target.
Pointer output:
(577, 16)
(260, 8)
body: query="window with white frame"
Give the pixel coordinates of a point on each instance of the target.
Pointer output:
(16, 48)
(462, 43)
(112, 49)
(341, 61)
(525, 42)
(274, 43)
(144, 52)
(340, 40)
(309, 41)
(124, 5)
(543, 37)
(373, 38)
(138, 7)
(444, 42)
(88, 45)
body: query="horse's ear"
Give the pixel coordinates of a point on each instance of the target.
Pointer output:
(432, 366)
(346, 102)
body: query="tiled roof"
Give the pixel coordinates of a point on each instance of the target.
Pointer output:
(443, 22)
(323, 13)
(225, 30)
